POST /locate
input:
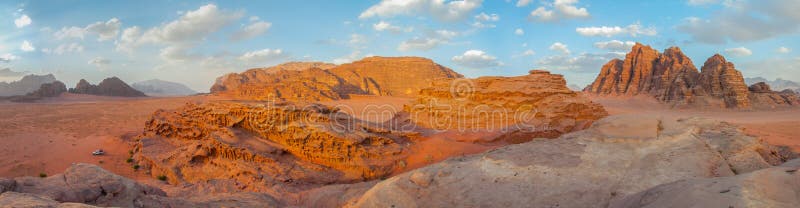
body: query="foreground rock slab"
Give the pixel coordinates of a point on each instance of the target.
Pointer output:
(616, 157)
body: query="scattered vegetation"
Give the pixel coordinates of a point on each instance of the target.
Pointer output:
(43, 175)
(162, 177)
(136, 167)
(129, 160)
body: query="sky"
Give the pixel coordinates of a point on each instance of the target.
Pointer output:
(193, 42)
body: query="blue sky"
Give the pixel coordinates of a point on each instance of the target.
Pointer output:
(195, 42)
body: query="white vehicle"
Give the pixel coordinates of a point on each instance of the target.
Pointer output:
(98, 152)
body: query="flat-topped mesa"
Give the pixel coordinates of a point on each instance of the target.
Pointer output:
(112, 86)
(396, 76)
(539, 104)
(672, 78)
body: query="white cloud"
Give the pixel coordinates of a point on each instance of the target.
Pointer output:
(22, 21)
(559, 9)
(386, 26)
(105, 30)
(522, 3)
(357, 39)
(776, 67)
(528, 52)
(356, 54)
(605, 31)
(584, 63)
(264, 55)
(446, 34)
(483, 17)
(70, 32)
(420, 44)
(5, 58)
(128, 41)
(252, 30)
(439, 9)
(615, 45)
(784, 50)
(519, 31)
(100, 62)
(192, 26)
(64, 49)
(701, 2)
(560, 47)
(27, 46)
(742, 21)
(740, 51)
(476, 59)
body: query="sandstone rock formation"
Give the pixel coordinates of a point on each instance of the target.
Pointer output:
(762, 94)
(53, 89)
(156, 87)
(537, 105)
(256, 146)
(617, 157)
(672, 78)
(770, 187)
(112, 86)
(83, 185)
(777, 84)
(397, 76)
(25, 85)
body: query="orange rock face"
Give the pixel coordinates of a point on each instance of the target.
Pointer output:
(396, 76)
(671, 77)
(260, 145)
(535, 105)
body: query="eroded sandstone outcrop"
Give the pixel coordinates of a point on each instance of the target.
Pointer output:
(112, 86)
(397, 76)
(258, 145)
(672, 78)
(27, 84)
(53, 89)
(84, 185)
(535, 105)
(762, 93)
(617, 157)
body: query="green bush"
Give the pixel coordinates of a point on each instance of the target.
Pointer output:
(129, 160)
(43, 175)
(136, 167)
(162, 177)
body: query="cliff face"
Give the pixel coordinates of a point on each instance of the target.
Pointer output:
(397, 76)
(53, 89)
(762, 94)
(112, 86)
(672, 78)
(532, 106)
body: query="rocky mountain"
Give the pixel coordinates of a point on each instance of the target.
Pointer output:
(672, 78)
(27, 84)
(763, 94)
(777, 84)
(397, 76)
(607, 165)
(156, 87)
(112, 86)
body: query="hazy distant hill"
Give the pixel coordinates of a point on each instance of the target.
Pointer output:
(777, 85)
(156, 87)
(27, 84)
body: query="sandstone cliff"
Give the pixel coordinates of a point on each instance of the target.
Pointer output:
(672, 78)
(618, 156)
(53, 89)
(537, 105)
(112, 86)
(762, 93)
(397, 76)
(27, 84)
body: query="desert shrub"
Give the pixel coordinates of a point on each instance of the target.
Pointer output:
(162, 177)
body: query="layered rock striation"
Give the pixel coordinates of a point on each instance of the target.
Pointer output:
(112, 86)
(672, 78)
(396, 76)
(538, 104)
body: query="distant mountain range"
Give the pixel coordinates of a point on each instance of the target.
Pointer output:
(156, 87)
(776, 85)
(27, 84)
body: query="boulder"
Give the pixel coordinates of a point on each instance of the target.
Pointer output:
(617, 157)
